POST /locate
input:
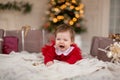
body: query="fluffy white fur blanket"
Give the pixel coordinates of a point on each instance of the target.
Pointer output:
(29, 66)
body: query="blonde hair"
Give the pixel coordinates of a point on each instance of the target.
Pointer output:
(64, 28)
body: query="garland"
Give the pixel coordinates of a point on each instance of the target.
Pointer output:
(115, 37)
(17, 6)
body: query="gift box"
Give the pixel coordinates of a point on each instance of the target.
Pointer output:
(100, 43)
(31, 42)
(1, 39)
(9, 43)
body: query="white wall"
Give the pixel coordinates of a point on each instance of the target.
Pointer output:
(97, 20)
(15, 20)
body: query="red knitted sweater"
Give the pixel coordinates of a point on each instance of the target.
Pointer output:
(49, 54)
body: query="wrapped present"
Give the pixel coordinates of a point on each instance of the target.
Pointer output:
(1, 39)
(9, 44)
(33, 41)
(30, 40)
(100, 43)
(17, 34)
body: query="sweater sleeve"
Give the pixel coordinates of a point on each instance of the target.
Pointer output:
(75, 55)
(48, 53)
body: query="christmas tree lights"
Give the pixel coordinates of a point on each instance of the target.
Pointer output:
(70, 12)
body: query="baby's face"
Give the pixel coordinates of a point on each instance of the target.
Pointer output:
(63, 40)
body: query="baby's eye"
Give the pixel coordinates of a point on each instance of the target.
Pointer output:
(65, 40)
(58, 39)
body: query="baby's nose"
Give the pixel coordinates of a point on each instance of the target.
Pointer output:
(61, 41)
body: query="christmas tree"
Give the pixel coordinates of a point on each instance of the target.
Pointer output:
(70, 12)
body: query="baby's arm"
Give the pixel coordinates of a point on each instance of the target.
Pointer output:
(75, 56)
(49, 54)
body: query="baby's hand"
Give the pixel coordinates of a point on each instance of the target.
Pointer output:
(49, 63)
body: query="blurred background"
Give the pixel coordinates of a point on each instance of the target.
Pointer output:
(99, 17)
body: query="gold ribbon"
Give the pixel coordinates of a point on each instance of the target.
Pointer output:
(25, 29)
(24, 32)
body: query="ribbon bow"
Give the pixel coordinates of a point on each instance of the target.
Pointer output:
(113, 52)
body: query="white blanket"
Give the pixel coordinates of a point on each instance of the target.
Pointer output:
(20, 66)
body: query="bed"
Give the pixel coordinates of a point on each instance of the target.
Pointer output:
(28, 65)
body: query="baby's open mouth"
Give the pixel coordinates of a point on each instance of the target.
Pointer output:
(61, 46)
